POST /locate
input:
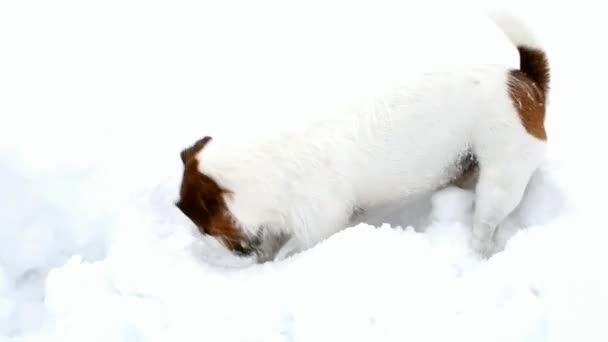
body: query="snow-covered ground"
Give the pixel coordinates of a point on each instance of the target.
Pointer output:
(98, 98)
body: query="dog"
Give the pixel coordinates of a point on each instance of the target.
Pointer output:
(277, 197)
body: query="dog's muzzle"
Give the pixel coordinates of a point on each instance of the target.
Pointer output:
(264, 246)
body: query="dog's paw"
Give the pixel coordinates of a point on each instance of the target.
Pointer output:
(290, 248)
(484, 247)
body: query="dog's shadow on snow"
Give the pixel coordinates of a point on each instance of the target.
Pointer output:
(543, 200)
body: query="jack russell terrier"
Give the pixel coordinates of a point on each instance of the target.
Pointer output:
(284, 195)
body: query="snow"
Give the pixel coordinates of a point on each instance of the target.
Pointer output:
(97, 100)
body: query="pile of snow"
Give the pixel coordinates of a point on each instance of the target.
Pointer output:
(366, 283)
(100, 98)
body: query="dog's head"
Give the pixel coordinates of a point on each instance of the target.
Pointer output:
(203, 201)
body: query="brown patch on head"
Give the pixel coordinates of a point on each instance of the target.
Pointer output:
(528, 88)
(193, 150)
(202, 201)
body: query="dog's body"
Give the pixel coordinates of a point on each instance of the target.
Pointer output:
(412, 139)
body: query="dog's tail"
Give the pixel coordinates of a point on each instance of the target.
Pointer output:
(532, 57)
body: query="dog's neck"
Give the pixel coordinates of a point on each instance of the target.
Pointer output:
(301, 193)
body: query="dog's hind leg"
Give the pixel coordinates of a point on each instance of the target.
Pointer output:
(505, 171)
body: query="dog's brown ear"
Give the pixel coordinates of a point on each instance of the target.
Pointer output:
(191, 151)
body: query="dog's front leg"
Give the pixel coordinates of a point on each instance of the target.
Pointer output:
(291, 247)
(269, 245)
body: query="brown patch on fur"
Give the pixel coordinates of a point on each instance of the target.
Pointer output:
(528, 89)
(529, 103)
(202, 201)
(193, 150)
(534, 63)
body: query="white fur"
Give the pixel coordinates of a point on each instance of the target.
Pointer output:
(397, 144)
(516, 30)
